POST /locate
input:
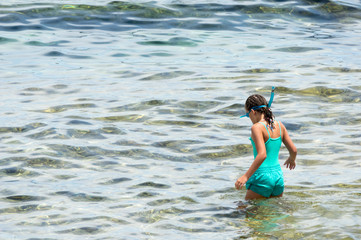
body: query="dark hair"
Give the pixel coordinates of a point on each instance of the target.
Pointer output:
(258, 100)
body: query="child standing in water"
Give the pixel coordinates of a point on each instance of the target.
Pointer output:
(264, 177)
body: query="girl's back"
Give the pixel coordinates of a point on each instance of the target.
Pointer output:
(273, 142)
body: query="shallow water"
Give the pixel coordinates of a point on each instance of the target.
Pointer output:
(120, 120)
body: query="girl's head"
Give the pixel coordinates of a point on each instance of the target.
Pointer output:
(258, 100)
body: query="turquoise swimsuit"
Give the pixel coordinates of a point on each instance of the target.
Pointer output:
(268, 178)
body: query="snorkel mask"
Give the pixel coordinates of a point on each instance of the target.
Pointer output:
(258, 107)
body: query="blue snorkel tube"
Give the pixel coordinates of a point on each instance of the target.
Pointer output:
(258, 107)
(271, 98)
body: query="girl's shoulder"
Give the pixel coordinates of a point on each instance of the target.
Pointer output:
(282, 128)
(280, 124)
(258, 126)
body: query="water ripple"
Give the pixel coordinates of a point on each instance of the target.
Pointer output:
(81, 197)
(24, 209)
(120, 16)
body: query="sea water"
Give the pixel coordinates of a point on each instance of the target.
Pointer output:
(120, 119)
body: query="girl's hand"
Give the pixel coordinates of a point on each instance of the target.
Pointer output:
(241, 182)
(290, 163)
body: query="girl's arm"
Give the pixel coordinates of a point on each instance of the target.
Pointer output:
(258, 139)
(287, 141)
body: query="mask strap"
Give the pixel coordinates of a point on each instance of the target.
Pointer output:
(258, 107)
(254, 108)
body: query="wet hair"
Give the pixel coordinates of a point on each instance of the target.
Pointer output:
(258, 100)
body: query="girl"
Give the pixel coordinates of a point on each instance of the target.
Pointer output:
(264, 178)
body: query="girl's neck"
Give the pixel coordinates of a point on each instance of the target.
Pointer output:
(259, 118)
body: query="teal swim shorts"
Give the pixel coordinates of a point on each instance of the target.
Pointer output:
(267, 181)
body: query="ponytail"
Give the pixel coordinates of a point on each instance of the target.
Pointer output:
(269, 117)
